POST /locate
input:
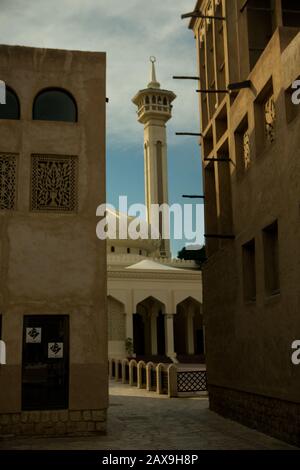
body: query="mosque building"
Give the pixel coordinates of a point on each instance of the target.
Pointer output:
(154, 301)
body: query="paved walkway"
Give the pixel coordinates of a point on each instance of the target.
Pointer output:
(144, 420)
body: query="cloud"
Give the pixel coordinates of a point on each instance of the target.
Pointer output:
(129, 31)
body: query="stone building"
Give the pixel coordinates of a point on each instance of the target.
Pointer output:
(249, 57)
(154, 301)
(52, 265)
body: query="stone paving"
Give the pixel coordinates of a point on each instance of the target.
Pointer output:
(145, 420)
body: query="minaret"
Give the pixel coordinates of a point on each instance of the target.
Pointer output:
(154, 110)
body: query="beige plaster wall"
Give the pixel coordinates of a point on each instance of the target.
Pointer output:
(53, 263)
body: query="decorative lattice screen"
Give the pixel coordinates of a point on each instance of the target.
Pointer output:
(54, 183)
(191, 381)
(7, 181)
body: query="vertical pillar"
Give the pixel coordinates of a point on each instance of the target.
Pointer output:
(190, 332)
(153, 333)
(169, 335)
(129, 325)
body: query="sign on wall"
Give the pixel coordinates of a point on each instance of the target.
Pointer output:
(33, 335)
(55, 350)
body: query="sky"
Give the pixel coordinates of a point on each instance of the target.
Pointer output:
(129, 31)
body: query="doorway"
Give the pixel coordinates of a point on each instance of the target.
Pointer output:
(45, 362)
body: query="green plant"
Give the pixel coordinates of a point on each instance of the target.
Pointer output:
(129, 346)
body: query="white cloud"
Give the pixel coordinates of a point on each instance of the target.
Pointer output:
(129, 31)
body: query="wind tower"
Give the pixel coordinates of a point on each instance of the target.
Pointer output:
(154, 110)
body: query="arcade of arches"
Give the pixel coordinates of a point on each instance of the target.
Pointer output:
(154, 331)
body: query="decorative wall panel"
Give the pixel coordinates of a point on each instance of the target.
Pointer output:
(54, 183)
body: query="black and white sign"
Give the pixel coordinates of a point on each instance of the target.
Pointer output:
(55, 350)
(33, 335)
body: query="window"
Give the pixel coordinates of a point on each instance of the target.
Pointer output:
(112, 249)
(11, 109)
(128, 250)
(8, 184)
(54, 183)
(55, 105)
(290, 13)
(242, 147)
(265, 117)
(271, 259)
(261, 25)
(210, 207)
(249, 274)
(225, 225)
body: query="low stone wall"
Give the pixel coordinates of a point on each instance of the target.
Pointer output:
(53, 423)
(278, 418)
(173, 380)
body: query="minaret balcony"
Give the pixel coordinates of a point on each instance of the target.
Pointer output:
(164, 110)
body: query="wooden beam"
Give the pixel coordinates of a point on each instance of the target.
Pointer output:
(219, 159)
(189, 133)
(198, 14)
(179, 77)
(240, 85)
(212, 91)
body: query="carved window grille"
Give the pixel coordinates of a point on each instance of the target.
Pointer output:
(7, 181)
(191, 381)
(246, 149)
(270, 119)
(54, 183)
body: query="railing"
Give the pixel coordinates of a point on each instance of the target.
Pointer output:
(170, 379)
(191, 381)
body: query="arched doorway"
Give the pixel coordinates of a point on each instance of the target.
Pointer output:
(149, 328)
(188, 328)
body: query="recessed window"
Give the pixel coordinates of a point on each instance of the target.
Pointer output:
(112, 249)
(271, 259)
(242, 147)
(249, 274)
(55, 105)
(128, 250)
(11, 109)
(290, 13)
(261, 25)
(265, 117)
(211, 216)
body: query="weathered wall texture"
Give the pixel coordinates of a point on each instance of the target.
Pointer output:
(52, 262)
(250, 372)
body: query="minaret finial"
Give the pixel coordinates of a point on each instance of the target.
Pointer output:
(153, 81)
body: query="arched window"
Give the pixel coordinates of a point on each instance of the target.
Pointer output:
(54, 105)
(165, 101)
(159, 100)
(147, 100)
(11, 109)
(153, 99)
